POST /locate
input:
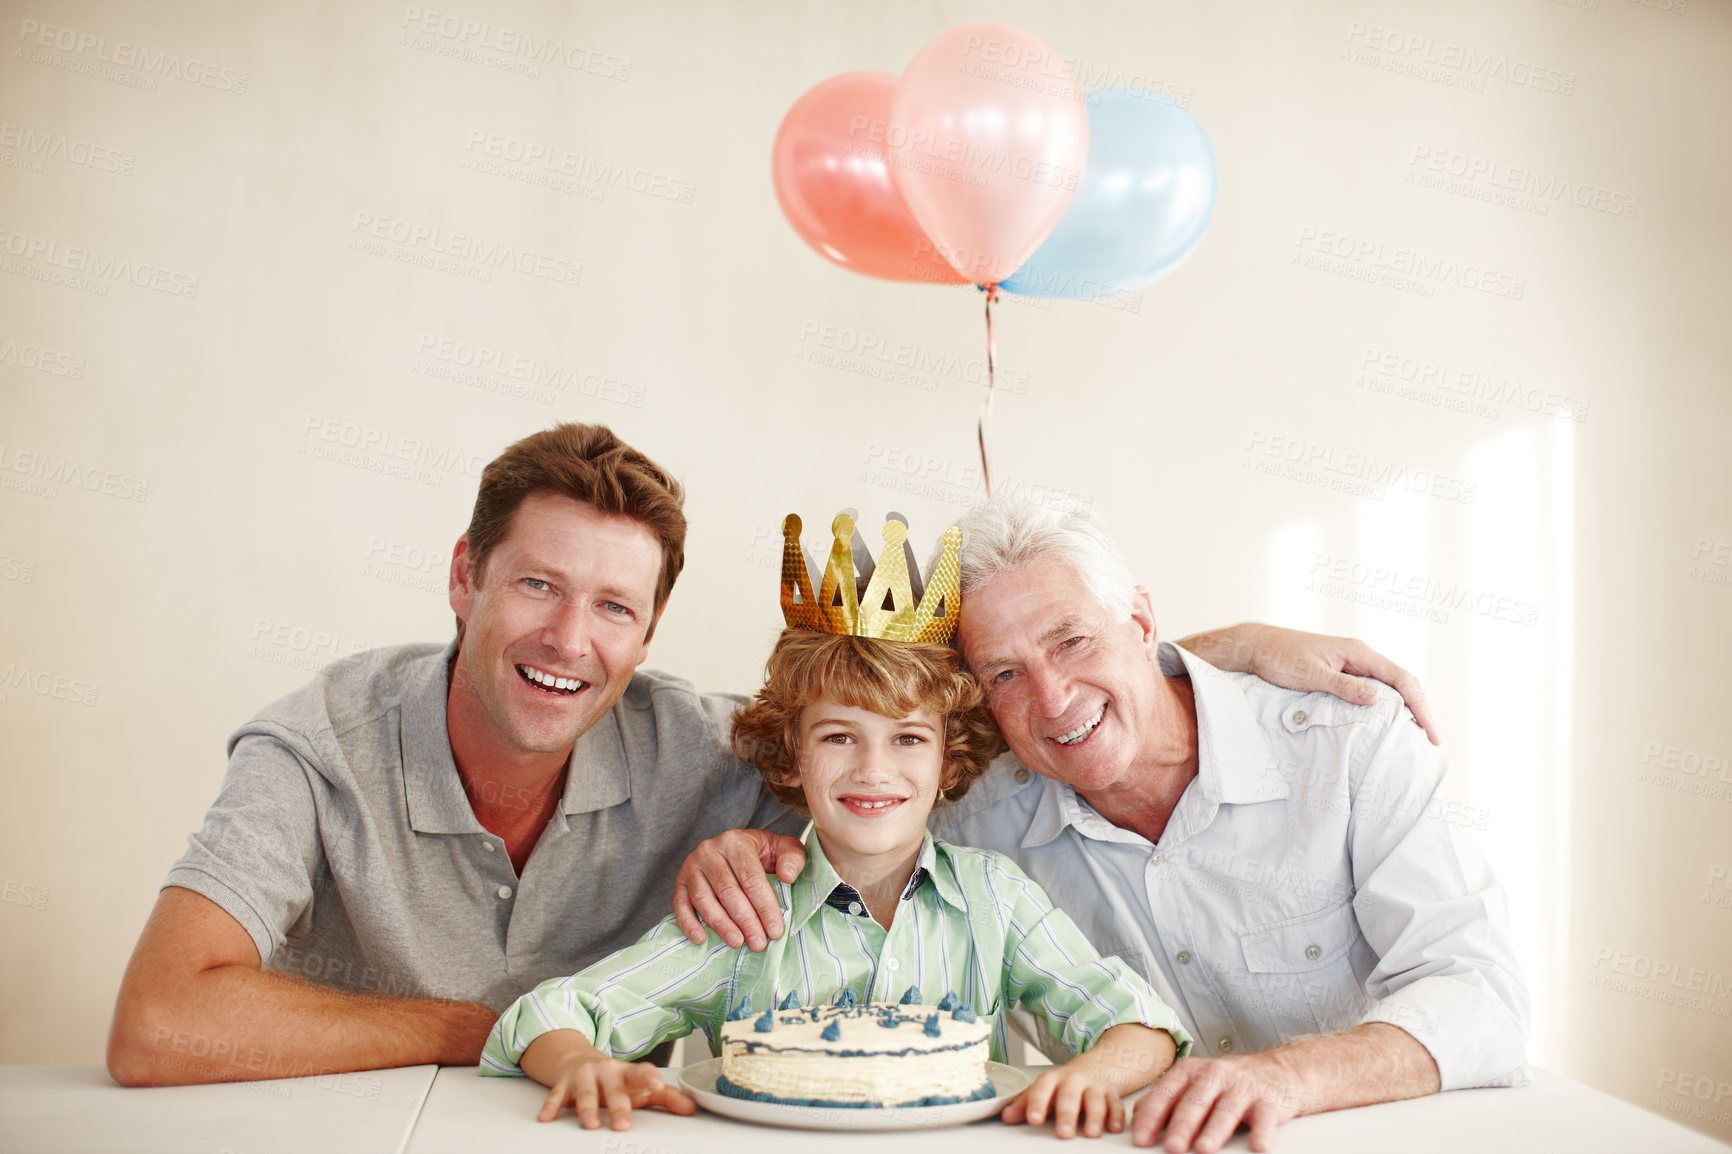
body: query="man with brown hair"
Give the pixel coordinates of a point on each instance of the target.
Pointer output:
(424, 832)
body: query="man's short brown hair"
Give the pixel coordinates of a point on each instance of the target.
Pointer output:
(586, 463)
(891, 678)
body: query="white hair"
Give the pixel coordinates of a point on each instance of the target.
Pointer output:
(1002, 535)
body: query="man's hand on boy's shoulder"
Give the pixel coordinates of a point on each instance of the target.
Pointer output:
(725, 884)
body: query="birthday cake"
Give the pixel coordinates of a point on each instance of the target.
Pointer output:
(873, 1055)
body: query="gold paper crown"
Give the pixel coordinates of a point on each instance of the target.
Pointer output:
(892, 608)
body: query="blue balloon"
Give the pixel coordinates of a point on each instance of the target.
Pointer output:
(1145, 197)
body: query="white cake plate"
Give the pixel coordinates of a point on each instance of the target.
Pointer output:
(699, 1080)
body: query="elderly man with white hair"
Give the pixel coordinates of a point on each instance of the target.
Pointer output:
(1280, 865)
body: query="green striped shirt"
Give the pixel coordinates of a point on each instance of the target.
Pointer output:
(976, 926)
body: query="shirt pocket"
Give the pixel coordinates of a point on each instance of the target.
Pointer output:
(1303, 969)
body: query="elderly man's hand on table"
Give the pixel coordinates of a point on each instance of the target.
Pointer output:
(1200, 1102)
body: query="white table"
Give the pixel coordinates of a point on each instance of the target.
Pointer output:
(466, 1113)
(77, 1108)
(71, 1109)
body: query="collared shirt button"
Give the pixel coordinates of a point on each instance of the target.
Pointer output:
(488, 846)
(892, 963)
(1021, 775)
(1159, 858)
(1298, 717)
(855, 908)
(1226, 1046)
(1184, 958)
(1313, 952)
(504, 892)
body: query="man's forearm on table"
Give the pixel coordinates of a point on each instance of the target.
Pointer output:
(235, 1023)
(1374, 1062)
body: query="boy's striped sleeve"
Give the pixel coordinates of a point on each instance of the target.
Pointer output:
(660, 987)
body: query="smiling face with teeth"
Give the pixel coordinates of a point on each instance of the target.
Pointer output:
(1073, 690)
(553, 628)
(870, 781)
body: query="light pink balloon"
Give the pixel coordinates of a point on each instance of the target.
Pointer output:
(987, 137)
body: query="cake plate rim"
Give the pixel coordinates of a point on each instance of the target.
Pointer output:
(699, 1080)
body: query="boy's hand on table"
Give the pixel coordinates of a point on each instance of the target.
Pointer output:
(589, 1083)
(723, 885)
(1072, 1099)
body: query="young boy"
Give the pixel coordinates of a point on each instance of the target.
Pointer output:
(866, 736)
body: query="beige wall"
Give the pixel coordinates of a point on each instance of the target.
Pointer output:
(207, 553)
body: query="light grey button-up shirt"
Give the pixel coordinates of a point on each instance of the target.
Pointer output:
(1312, 877)
(342, 839)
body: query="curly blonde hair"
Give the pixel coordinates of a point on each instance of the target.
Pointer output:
(891, 678)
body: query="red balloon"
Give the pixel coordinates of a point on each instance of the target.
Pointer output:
(833, 180)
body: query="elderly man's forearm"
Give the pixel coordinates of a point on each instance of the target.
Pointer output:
(1374, 1062)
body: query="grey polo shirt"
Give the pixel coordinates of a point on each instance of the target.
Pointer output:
(343, 841)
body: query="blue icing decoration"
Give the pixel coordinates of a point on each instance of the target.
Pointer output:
(766, 1023)
(964, 1014)
(889, 1021)
(790, 1002)
(932, 1026)
(910, 996)
(847, 998)
(950, 1002)
(832, 1032)
(742, 1010)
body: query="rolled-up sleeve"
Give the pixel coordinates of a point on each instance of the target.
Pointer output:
(660, 987)
(1052, 971)
(1428, 904)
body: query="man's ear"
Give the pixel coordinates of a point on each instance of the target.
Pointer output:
(462, 582)
(1143, 617)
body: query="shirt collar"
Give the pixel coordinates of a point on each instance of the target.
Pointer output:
(1235, 763)
(846, 899)
(598, 776)
(1050, 816)
(431, 787)
(819, 881)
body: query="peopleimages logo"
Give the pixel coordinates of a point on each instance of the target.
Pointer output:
(975, 163)
(1543, 187)
(518, 44)
(1373, 255)
(125, 54)
(46, 145)
(1361, 474)
(94, 263)
(1418, 49)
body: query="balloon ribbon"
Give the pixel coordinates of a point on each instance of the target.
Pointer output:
(986, 405)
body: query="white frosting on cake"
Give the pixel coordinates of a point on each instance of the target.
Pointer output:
(867, 1064)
